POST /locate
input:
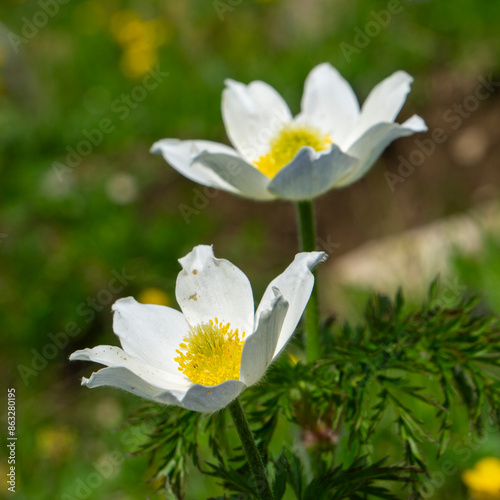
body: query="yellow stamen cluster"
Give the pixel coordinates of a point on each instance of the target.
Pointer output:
(286, 145)
(212, 353)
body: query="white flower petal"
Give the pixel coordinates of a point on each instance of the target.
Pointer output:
(181, 154)
(115, 357)
(371, 145)
(415, 123)
(311, 174)
(295, 284)
(382, 104)
(386, 99)
(150, 332)
(329, 103)
(244, 177)
(194, 397)
(259, 347)
(122, 378)
(209, 288)
(208, 399)
(252, 115)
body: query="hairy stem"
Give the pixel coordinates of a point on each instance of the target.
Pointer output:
(252, 453)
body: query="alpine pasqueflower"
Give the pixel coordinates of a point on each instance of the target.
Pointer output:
(331, 143)
(205, 356)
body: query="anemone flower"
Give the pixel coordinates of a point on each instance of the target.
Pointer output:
(331, 143)
(203, 357)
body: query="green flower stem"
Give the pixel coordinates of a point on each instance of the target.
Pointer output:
(307, 228)
(252, 453)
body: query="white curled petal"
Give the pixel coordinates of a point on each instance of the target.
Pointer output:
(295, 284)
(212, 398)
(209, 288)
(150, 332)
(371, 145)
(181, 154)
(383, 104)
(115, 357)
(329, 103)
(259, 348)
(122, 378)
(311, 174)
(386, 99)
(415, 123)
(244, 177)
(252, 115)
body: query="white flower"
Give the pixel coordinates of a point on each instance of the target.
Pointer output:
(331, 143)
(205, 356)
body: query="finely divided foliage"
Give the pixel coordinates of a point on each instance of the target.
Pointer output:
(405, 371)
(412, 369)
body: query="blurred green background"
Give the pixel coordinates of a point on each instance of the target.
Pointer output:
(72, 218)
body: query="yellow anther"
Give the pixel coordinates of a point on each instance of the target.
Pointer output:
(212, 353)
(286, 145)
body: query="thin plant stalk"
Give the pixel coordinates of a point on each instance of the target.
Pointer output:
(307, 234)
(251, 451)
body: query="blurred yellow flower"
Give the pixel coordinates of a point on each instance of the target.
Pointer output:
(120, 22)
(154, 295)
(55, 443)
(131, 31)
(136, 62)
(483, 481)
(139, 40)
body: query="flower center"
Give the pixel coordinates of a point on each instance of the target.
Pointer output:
(212, 353)
(286, 145)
